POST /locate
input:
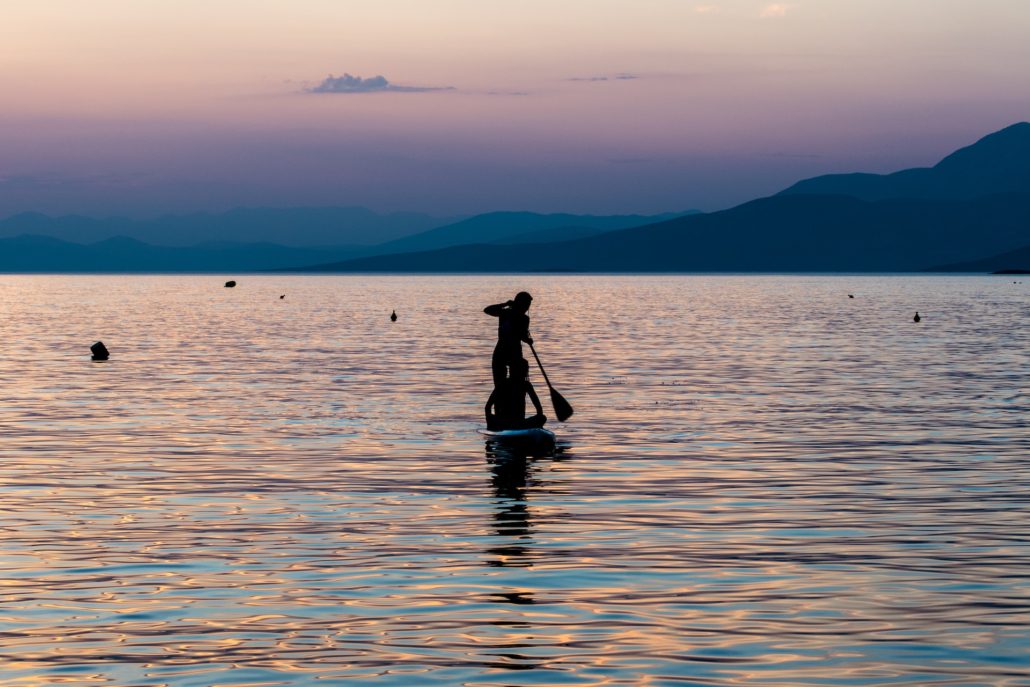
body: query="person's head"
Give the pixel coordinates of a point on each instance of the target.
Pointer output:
(522, 301)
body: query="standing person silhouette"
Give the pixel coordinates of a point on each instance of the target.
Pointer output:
(512, 330)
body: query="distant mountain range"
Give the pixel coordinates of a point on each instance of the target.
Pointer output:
(778, 234)
(306, 227)
(970, 212)
(121, 254)
(38, 253)
(975, 203)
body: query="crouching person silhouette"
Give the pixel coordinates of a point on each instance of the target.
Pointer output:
(506, 407)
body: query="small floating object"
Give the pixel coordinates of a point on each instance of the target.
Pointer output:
(282, 296)
(851, 295)
(917, 318)
(230, 284)
(393, 316)
(100, 351)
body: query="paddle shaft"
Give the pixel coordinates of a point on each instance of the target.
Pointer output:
(562, 408)
(541, 366)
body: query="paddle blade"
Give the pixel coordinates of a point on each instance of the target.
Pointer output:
(562, 408)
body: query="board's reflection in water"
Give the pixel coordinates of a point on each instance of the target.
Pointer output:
(514, 476)
(510, 475)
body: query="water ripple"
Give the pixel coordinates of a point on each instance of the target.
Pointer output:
(765, 483)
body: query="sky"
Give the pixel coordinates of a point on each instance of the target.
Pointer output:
(141, 107)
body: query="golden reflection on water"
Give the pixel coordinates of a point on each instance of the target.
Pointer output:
(765, 483)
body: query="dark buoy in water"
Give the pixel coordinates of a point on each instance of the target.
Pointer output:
(230, 284)
(393, 316)
(917, 318)
(282, 296)
(100, 351)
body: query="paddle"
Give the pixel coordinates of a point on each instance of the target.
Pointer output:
(562, 408)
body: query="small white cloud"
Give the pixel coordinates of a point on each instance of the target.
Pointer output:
(776, 9)
(706, 9)
(374, 84)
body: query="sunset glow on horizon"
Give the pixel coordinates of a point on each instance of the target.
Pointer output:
(587, 106)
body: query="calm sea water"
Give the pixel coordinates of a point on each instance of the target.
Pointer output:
(765, 483)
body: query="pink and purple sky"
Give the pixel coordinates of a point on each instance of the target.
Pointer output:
(601, 106)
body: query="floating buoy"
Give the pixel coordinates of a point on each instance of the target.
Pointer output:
(100, 351)
(282, 296)
(917, 318)
(393, 316)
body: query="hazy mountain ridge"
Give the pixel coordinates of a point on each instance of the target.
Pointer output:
(517, 227)
(23, 252)
(777, 234)
(32, 253)
(301, 227)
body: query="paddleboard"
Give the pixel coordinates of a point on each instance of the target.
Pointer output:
(534, 434)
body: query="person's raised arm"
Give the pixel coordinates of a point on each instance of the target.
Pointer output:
(498, 309)
(525, 332)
